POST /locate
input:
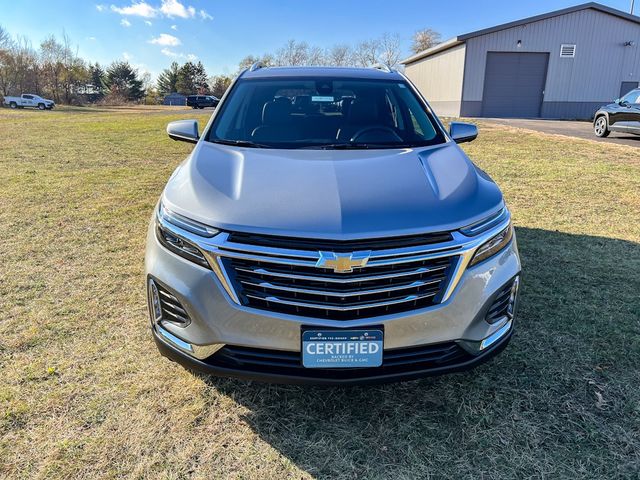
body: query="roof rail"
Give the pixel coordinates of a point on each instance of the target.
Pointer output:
(384, 67)
(256, 66)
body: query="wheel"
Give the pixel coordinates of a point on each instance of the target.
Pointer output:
(41, 106)
(13, 105)
(600, 127)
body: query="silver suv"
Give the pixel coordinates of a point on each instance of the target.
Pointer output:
(326, 228)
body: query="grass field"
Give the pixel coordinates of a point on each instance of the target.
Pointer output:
(84, 393)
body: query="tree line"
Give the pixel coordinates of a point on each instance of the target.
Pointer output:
(54, 69)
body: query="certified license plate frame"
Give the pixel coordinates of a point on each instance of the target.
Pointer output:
(360, 354)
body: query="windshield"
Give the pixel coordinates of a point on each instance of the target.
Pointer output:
(324, 113)
(632, 97)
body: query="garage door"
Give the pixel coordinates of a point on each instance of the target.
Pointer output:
(514, 84)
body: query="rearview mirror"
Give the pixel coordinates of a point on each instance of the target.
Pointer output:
(463, 132)
(183, 130)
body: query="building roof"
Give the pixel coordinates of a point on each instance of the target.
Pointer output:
(452, 42)
(318, 72)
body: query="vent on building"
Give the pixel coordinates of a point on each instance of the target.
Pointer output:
(567, 51)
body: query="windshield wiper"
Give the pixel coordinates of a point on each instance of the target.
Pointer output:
(239, 143)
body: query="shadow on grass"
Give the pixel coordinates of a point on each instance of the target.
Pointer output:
(561, 400)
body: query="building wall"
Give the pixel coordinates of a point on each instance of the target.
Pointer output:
(575, 87)
(439, 79)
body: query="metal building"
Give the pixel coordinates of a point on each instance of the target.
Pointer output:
(562, 64)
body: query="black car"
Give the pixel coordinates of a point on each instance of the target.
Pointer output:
(621, 116)
(201, 101)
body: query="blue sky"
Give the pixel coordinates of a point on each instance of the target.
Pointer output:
(151, 33)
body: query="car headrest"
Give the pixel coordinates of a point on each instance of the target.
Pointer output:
(275, 113)
(363, 112)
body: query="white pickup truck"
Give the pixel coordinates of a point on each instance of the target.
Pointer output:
(29, 100)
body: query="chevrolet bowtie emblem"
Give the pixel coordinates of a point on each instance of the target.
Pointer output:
(343, 262)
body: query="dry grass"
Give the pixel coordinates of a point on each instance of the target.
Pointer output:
(84, 394)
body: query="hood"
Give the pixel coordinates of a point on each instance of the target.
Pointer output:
(339, 194)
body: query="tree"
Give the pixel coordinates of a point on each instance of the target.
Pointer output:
(389, 49)
(316, 56)
(97, 77)
(200, 80)
(168, 79)
(292, 54)
(340, 56)
(186, 84)
(6, 45)
(424, 39)
(219, 85)
(122, 81)
(366, 53)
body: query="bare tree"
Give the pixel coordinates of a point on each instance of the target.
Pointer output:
(424, 39)
(292, 54)
(366, 53)
(340, 56)
(6, 47)
(316, 56)
(390, 51)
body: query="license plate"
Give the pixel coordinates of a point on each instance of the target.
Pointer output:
(342, 348)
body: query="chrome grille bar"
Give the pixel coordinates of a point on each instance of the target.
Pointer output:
(329, 279)
(327, 306)
(329, 293)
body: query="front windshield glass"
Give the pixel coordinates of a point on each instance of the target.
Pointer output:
(632, 97)
(324, 113)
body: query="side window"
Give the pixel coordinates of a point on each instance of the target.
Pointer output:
(28, 97)
(416, 125)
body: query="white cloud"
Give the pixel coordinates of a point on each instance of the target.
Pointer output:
(91, 39)
(127, 56)
(174, 27)
(125, 23)
(140, 9)
(169, 53)
(173, 54)
(204, 15)
(147, 22)
(166, 40)
(100, 8)
(173, 8)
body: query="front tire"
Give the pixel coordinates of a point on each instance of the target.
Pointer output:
(601, 127)
(41, 106)
(13, 105)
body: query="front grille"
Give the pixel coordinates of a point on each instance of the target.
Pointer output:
(396, 361)
(172, 310)
(390, 283)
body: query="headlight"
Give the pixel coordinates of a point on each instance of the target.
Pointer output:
(493, 245)
(172, 239)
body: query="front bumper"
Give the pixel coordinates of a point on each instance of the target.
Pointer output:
(216, 319)
(301, 376)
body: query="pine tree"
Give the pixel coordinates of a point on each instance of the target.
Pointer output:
(200, 80)
(122, 80)
(168, 79)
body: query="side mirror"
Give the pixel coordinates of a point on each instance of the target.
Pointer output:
(183, 130)
(463, 132)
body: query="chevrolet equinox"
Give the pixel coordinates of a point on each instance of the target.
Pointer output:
(327, 228)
